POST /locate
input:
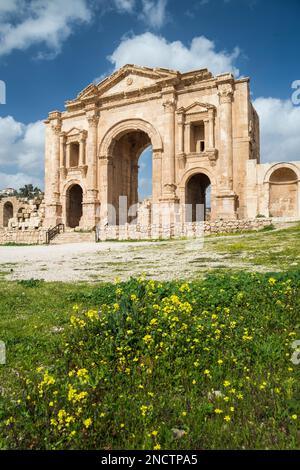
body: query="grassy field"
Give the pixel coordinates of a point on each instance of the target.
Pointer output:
(149, 365)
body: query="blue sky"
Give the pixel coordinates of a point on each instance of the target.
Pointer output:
(50, 50)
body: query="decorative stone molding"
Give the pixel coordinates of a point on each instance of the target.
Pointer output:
(56, 128)
(169, 105)
(93, 120)
(225, 93)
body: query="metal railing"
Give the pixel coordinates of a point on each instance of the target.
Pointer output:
(52, 232)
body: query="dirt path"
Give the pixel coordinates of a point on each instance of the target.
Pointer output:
(107, 260)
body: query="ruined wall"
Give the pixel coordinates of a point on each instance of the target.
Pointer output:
(178, 230)
(23, 237)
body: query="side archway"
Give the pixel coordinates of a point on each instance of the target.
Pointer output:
(283, 182)
(8, 213)
(197, 193)
(74, 200)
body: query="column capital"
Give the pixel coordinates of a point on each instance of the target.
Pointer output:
(169, 105)
(181, 118)
(56, 128)
(83, 136)
(225, 92)
(92, 119)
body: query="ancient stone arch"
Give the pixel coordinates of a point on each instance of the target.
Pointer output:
(196, 123)
(73, 196)
(283, 181)
(277, 166)
(8, 213)
(193, 187)
(126, 126)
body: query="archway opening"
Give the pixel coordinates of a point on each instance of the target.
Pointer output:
(8, 213)
(131, 174)
(283, 200)
(197, 197)
(74, 205)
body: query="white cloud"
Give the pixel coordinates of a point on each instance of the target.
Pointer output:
(21, 152)
(280, 129)
(39, 22)
(8, 6)
(154, 13)
(17, 180)
(125, 5)
(155, 51)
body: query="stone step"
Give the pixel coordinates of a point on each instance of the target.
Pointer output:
(73, 237)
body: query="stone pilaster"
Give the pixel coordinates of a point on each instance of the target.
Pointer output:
(89, 204)
(52, 150)
(181, 159)
(211, 130)
(226, 199)
(168, 169)
(82, 147)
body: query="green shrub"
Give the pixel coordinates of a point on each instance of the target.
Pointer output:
(209, 358)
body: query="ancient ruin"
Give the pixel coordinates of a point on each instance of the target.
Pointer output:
(204, 135)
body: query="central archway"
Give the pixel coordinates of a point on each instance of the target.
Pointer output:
(74, 205)
(8, 213)
(197, 198)
(125, 155)
(120, 150)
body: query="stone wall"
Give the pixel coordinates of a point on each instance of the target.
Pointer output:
(26, 237)
(178, 230)
(24, 214)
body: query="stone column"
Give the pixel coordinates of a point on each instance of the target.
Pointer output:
(187, 137)
(90, 200)
(63, 140)
(211, 130)
(92, 155)
(169, 152)
(181, 119)
(56, 160)
(226, 197)
(52, 150)
(181, 149)
(107, 212)
(206, 134)
(68, 156)
(81, 152)
(226, 144)
(156, 176)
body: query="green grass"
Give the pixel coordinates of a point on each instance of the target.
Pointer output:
(155, 355)
(278, 249)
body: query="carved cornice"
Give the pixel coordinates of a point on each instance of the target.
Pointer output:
(54, 115)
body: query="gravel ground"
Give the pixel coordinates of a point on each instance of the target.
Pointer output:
(107, 260)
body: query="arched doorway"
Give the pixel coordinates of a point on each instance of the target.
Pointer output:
(283, 200)
(197, 198)
(74, 205)
(8, 213)
(126, 152)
